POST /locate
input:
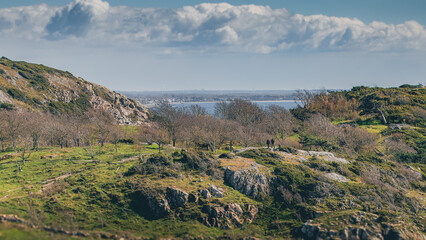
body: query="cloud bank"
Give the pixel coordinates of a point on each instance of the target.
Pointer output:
(205, 27)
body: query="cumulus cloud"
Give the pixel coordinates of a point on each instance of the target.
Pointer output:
(247, 28)
(75, 19)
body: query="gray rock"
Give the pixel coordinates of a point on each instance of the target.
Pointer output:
(227, 217)
(159, 207)
(250, 182)
(176, 197)
(336, 177)
(205, 194)
(216, 192)
(327, 156)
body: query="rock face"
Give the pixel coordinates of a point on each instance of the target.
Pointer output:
(37, 87)
(159, 207)
(176, 197)
(229, 216)
(250, 182)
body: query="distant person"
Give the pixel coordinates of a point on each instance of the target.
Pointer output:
(268, 142)
(272, 143)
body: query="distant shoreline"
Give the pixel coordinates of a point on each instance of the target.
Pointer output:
(213, 102)
(260, 101)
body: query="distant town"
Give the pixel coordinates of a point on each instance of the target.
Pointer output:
(152, 97)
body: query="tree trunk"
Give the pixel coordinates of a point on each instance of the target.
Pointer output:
(159, 148)
(116, 150)
(174, 142)
(383, 116)
(230, 146)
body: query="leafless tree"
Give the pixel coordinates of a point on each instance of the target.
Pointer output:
(116, 134)
(37, 128)
(242, 111)
(279, 122)
(101, 122)
(169, 119)
(58, 131)
(197, 110)
(153, 134)
(12, 121)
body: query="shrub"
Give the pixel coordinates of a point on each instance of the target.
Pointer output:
(7, 106)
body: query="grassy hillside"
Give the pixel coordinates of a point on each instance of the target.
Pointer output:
(341, 168)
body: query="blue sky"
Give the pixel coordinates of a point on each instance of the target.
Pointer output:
(172, 45)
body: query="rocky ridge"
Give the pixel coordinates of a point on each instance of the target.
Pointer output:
(37, 87)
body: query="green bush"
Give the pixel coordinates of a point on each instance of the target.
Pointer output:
(7, 106)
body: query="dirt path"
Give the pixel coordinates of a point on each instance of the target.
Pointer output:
(50, 182)
(24, 223)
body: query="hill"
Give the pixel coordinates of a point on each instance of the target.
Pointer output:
(32, 86)
(335, 168)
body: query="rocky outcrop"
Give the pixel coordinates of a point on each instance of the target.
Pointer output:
(229, 216)
(4, 98)
(250, 181)
(40, 88)
(359, 226)
(326, 156)
(176, 197)
(336, 177)
(159, 207)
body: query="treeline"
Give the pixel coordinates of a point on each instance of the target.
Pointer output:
(235, 123)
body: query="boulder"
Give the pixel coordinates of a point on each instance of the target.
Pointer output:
(192, 198)
(205, 194)
(215, 191)
(250, 182)
(176, 197)
(159, 207)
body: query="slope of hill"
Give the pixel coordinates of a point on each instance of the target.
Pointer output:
(37, 87)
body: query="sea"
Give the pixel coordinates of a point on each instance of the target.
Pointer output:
(210, 106)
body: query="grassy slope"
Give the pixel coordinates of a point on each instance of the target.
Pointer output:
(93, 198)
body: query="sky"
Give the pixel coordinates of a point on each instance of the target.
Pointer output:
(165, 45)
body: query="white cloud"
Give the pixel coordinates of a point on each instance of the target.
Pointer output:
(247, 28)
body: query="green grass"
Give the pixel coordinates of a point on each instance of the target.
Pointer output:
(94, 198)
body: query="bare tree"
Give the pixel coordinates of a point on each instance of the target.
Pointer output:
(37, 128)
(207, 131)
(58, 131)
(197, 110)
(101, 122)
(279, 122)
(78, 128)
(153, 134)
(242, 111)
(12, 121)
(168, 118)
(116, 134)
